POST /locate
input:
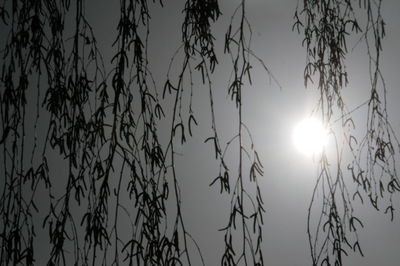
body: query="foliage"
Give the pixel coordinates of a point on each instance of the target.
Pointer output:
(86, 143)
(327, 26)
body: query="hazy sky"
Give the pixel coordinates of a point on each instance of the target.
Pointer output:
(271, 114)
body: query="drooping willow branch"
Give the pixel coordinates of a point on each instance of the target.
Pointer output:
(102, 131)
(95, 129)
(378, 178)
(242, 242)
(198, 46)
(327, 25)
(102, 127)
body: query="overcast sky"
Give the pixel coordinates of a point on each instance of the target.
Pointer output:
(271, 113)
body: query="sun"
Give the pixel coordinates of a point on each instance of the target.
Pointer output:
(310, 137)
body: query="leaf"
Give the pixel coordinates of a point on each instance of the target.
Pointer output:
(391, 209)
(357, 245)
(215, 179)
(217, 150)
(159, 112)
(180, 125)
(191, 119)
(5, 134)
(352, 221)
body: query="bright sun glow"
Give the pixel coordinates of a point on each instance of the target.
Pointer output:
(310, 136)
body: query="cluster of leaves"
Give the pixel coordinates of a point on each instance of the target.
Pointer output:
(198, 48)
(327, 26)
(134, 140)
(27, 50)
(102, 129)
(378, 179)
(245, 192)
(98, 132)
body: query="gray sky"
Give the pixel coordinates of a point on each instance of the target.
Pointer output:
(271, 114)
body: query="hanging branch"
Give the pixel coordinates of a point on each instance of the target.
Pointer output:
(378, 178)
(326, 27)
(198, 48)
(135, 139)
(326, 24)
(101, 129)
(246, 201)
(43, 62)
(16, 230)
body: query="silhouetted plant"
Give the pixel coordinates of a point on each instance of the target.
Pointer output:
(327, 26)
(85, 142)
(248, 250)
